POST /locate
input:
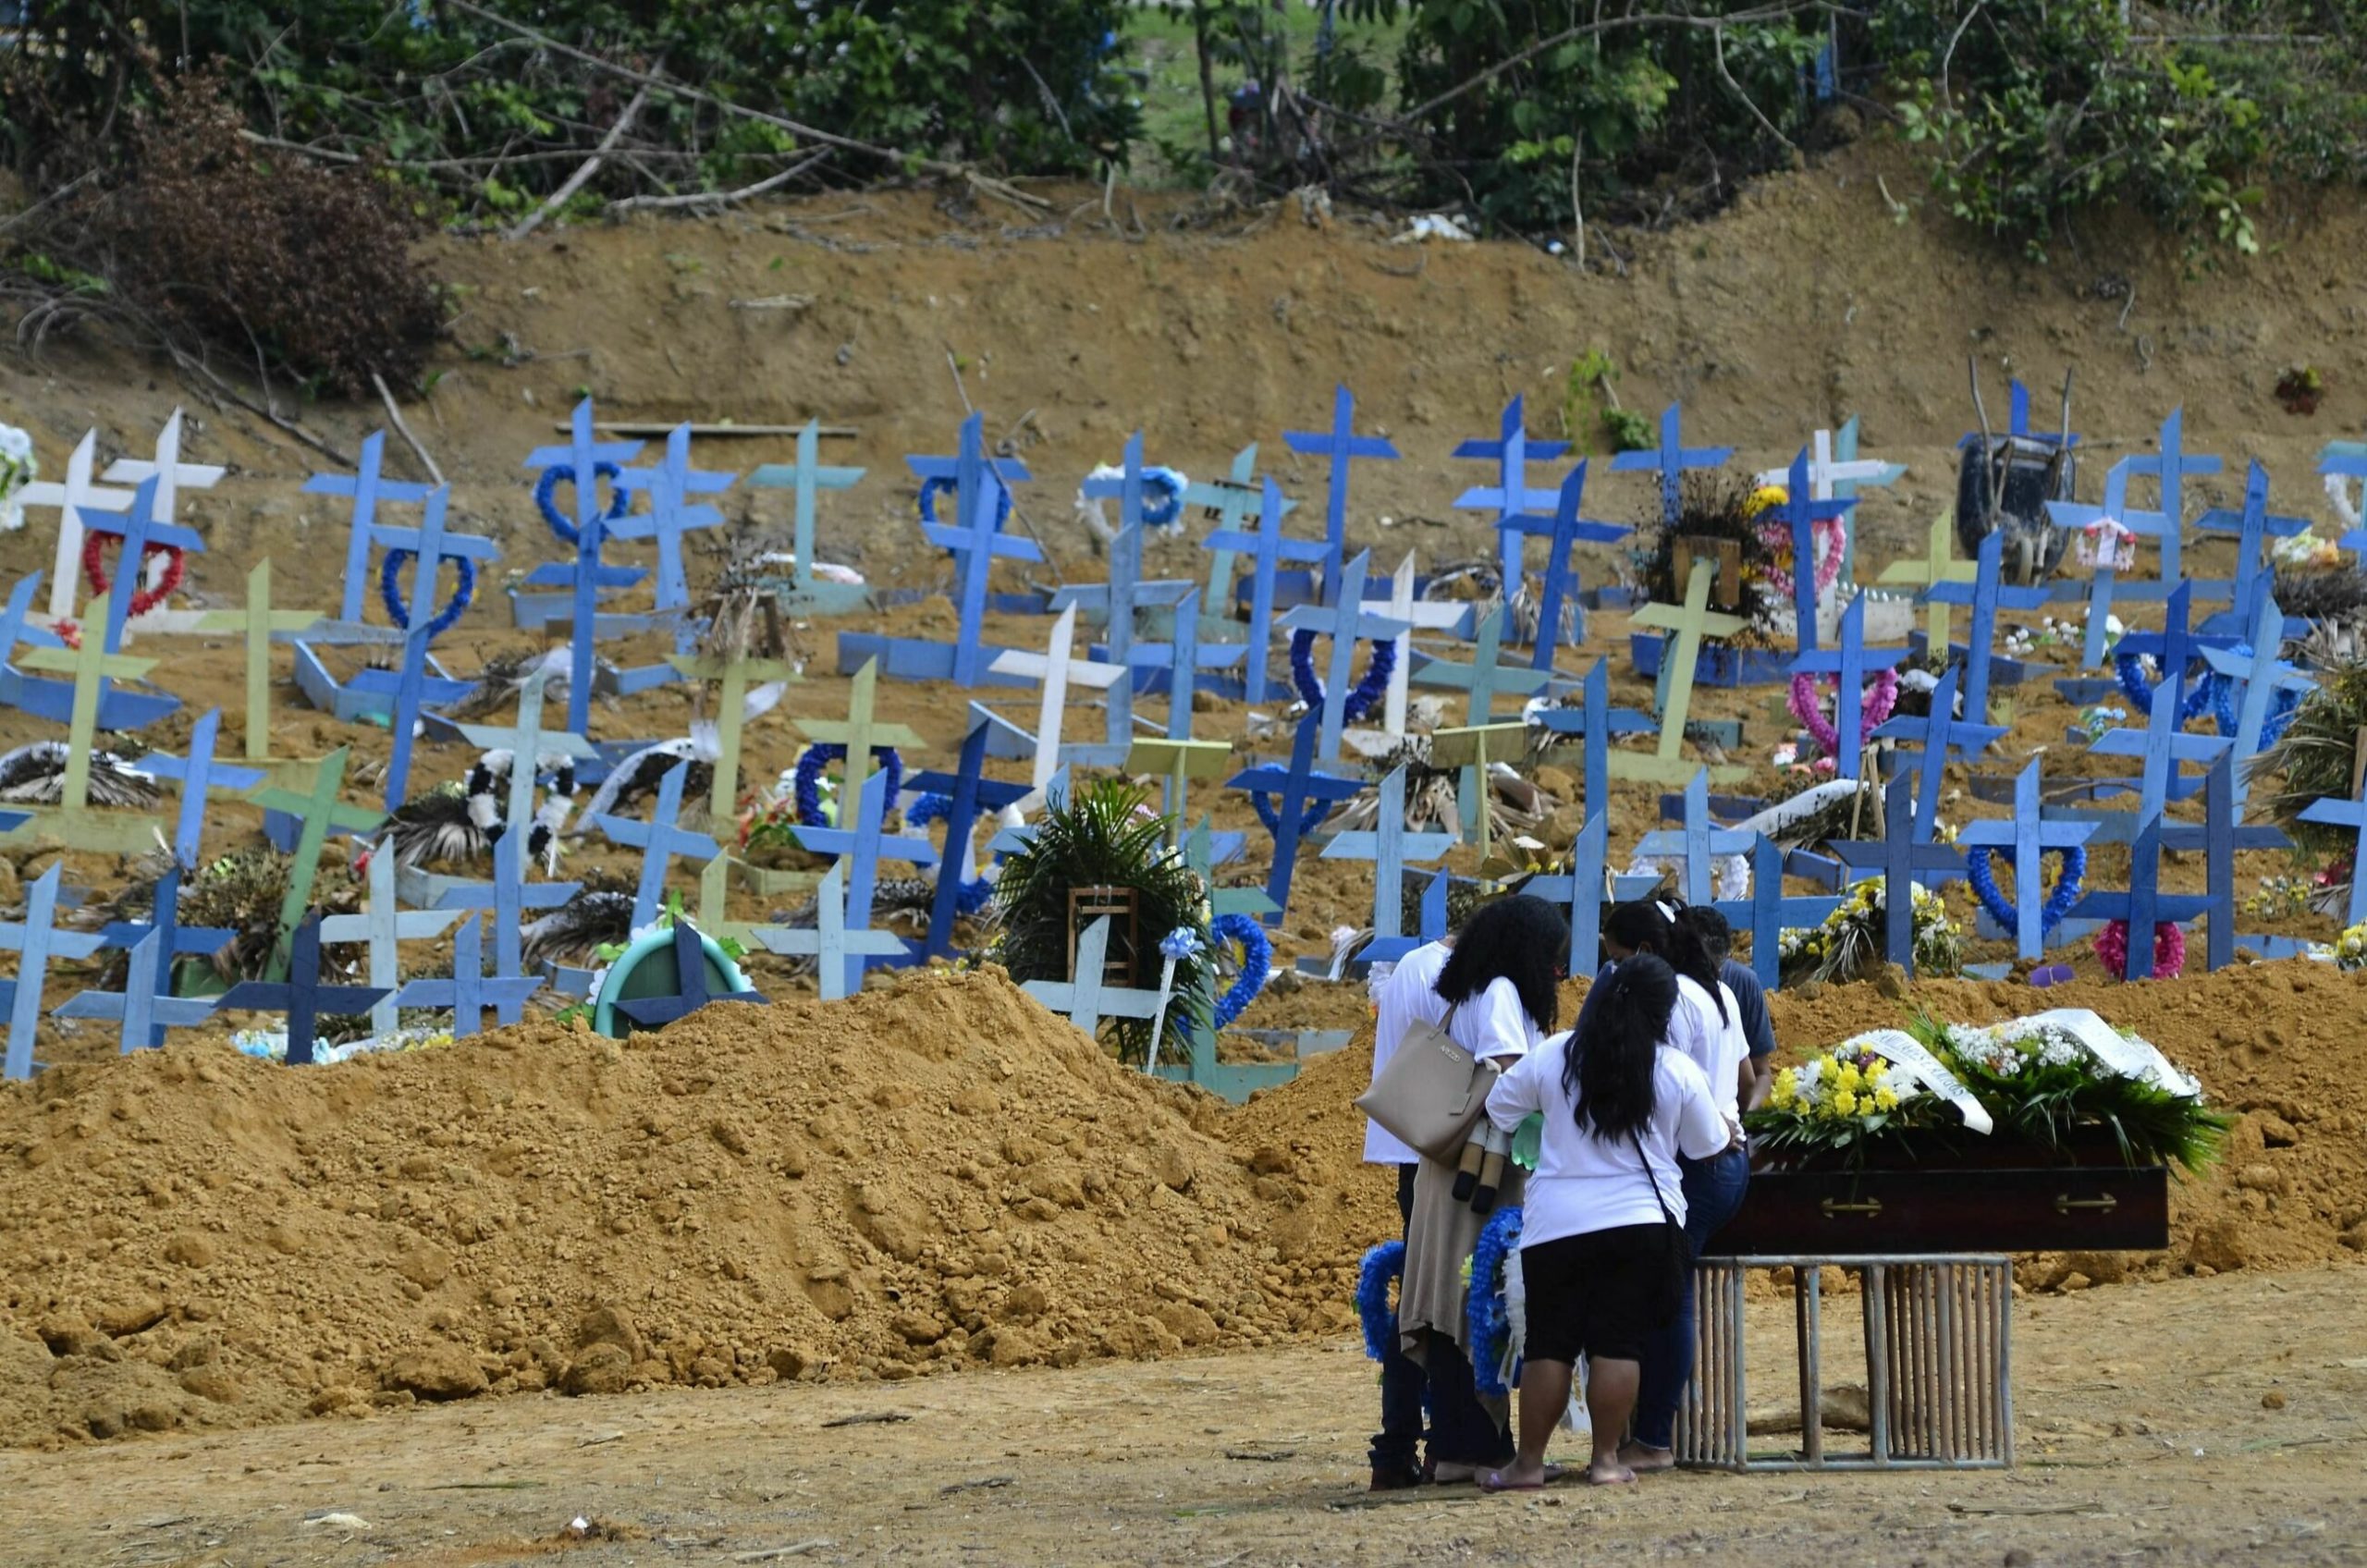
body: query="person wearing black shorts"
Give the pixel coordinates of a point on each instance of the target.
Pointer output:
(1602, 1247)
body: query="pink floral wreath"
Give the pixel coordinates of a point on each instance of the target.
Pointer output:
(1831, 536)
(2169, 949)
(1880, 699)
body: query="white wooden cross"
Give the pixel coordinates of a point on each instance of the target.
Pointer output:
(167, 469)
(1056, 669)
(1824, 472)
(72, 498)
(1415, 613)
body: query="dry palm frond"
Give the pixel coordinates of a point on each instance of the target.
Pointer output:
(2316, 758)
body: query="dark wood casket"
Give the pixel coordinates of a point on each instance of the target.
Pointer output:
(1948, 1194)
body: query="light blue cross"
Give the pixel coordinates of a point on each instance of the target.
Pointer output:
(1669, 460)
(807, 476)
(1390, 847)
(1849, 663)
(1339, 446)
(1509, 497)
(366, 489)
(1344, 620)
(1268, 549)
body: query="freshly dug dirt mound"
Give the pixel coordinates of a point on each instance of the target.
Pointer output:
(939, 1175)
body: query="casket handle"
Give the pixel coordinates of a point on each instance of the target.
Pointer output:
(1835, 1207)
(2064, 1203)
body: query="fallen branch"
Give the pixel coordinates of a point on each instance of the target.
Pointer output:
(1718, 41)
(717, 198)
(590, 166)
(402, 429)
(869, 1418)
(189, 361)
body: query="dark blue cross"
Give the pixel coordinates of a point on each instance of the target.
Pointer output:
(862, 849)
(963, 468)
(2263, 675)
(140, 532)
(1700, 843)
(659, 841)
(1986, 596)
(581, 457)
(1563, 529)
(690, 963)
(508, 896)
(2163, 744)
(2352, 814)
(156, 944)
(300, 997)
(2018, 423)
(2143, 905)
(1849, 663)
(977, 541)
(467, 991)
(1899, 858)
(1581, 889)
(1802, 512)
(1267, 549)
(2253, 525)
(366, 490)
(1510, 498)
(1941, 733)
(1294, 788)
(2115, 510)
(2169, 466)
(1345, 620)
(1341, 446)
(1596, 721)
(197, 774)
(2219, 838)
(969, 792)
(669, 486)
(35, 942)
(2029, 835)
(1669, 460)
(1767, 911)
(1121, 598)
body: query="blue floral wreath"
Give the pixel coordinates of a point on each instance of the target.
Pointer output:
(1383, 1264)
(2141, 694)
(2281, 707)
(391, 591)
(2058, 903)
(1256, 955)
(1367, 691)
(970, 897)
(546, 492)
(932, 489)
(1170, 504)
(809, 777)
(1486, 1324)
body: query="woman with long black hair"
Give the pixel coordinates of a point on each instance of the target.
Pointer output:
(1619, 1104)
(1498, 987)
(1706, 1025)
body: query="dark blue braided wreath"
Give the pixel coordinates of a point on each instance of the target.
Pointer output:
(2281, 707)
(1367, 691)
(1487, 1324)
(2141, 695)
(1379, 1319)
(2058, 903)
(932, 489)
(546, 492)
(443, 620)
(970, 897)
(809, 778)
(1256, 957)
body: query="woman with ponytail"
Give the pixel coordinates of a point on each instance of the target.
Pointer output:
(1621, 1105)
(1708, 1026)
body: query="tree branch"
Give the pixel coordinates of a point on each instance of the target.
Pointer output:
(591, 166)
(719, 198)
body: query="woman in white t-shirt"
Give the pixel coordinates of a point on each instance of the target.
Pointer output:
(1599, 1255)
(1498, 986)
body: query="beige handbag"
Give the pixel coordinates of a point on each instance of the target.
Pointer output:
(1431, 1092)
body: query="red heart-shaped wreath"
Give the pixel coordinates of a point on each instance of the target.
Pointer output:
(94, 572)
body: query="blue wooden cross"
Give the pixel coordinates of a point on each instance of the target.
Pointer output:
(141, 531)
(1901, 861)
(1597, 722)
(1843, 473)
(1700, 843)
(1800, 513)
(1669, 460)
(300, 997)
(2027, 836)
(1232, 500)
(146, 1006)
(528, 743)
(1344, 620)
(1563, 530)
(35, 942)
(659, 839)
(508, 896)
(1987, 596)
(2350, 813)
(1185, 657)
(1339, 446)
(1088, 998)
(2218, 836)
(2116, 508)
(1390, 847)
(1482, 679)
(1767, 913)
(1581, 889)
(2169, 466)
(1849, 663)
(2018, 423)
(172, 941)
(2263, 675)
(1127, 491)
(1299, 792)
(862, 849)
(467, 991)
(837, 952)
(2253, 525)
(964, 469)
(2340, 460)
(978, 543)
(581, 457)
(317, 815)
(413, 689)
(1939, 732)
(199, 774)
(690, 963)
(669, 486)
(968, 793)
(1204, 851)
(411, 684)
(1509, 497)
(807, 476)
(1268, 550)
(2163, 743)
(366, 489)
(2143, 905)
(1124, 596)
(384, 928)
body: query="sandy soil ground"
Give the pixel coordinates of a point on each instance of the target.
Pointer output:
(2188, 1422)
